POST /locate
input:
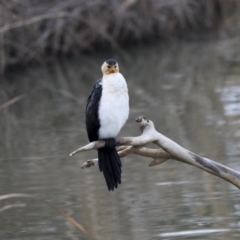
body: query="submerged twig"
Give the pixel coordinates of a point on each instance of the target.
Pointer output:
(168, 150)
(60, 211)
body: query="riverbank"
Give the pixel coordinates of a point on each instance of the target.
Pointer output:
(37, 30)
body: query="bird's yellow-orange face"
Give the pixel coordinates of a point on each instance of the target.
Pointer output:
(110, 66)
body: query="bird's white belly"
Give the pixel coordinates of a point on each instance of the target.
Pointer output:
(114, 106)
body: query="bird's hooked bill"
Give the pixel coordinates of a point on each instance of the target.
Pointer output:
(112, 69)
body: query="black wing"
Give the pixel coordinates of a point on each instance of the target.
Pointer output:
(91, 113)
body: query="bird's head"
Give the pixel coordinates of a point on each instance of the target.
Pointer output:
(110, 66)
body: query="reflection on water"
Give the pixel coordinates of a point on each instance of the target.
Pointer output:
(193, 233)
(230, 97)
(191, 92)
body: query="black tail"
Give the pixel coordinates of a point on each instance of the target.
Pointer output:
(110, 164)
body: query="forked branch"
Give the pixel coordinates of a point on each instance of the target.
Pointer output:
(168, 150)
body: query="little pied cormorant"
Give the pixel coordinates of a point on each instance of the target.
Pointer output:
(106, 112)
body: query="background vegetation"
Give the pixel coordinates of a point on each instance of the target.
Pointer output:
(34, 29)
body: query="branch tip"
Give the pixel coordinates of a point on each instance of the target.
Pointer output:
(140, 119)
(89, 163)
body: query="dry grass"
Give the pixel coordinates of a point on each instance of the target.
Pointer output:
(32, 29)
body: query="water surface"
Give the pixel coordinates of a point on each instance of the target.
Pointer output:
(192, 93)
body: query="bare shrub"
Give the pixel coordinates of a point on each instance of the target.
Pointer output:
(30, 29)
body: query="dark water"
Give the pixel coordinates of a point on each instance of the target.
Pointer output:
(192, 93)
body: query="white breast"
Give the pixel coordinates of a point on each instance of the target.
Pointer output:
(114, 105)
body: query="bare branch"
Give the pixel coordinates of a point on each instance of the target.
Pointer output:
(168, 150)
(89, 163)
(32, 20)
(88, 147)
(10, 102)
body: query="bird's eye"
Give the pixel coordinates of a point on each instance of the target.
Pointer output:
(109, 66)
(115, 66)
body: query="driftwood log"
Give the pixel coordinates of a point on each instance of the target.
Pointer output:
(168, 150)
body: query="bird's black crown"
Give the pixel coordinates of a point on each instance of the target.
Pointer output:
(111, 62)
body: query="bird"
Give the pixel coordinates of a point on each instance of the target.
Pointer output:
(107, 111)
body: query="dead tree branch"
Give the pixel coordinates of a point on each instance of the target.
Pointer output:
(168, 150)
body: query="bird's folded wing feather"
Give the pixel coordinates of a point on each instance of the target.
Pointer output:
(91, 113)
